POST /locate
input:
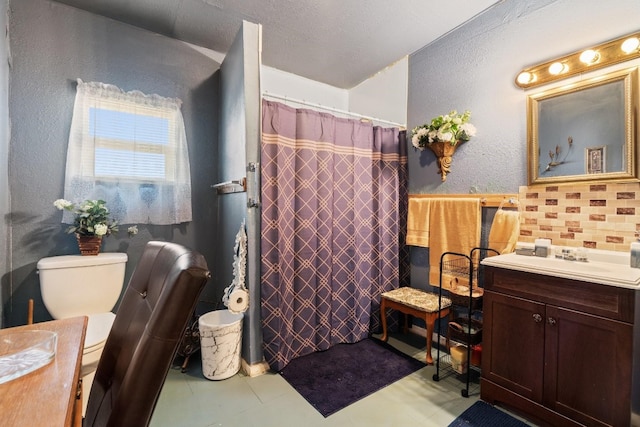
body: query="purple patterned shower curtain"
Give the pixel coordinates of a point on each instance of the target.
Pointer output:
(334, 209)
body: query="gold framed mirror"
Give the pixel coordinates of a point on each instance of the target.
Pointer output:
(584, 131)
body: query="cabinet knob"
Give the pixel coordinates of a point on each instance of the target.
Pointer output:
(537, 318)
(551, 321)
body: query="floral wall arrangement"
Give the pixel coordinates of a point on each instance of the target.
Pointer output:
(451, 128)
(442, 135)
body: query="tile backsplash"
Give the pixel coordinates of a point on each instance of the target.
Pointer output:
(601, 216)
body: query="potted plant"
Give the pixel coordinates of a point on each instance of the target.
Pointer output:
(91, 223)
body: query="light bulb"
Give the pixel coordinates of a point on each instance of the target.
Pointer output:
(558, 68)
(630, 45)
(526, 77)
(589, 57)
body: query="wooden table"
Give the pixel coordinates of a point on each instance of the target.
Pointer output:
(48, 396)
(415, 302)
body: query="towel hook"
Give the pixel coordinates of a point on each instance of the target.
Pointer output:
(510, 201)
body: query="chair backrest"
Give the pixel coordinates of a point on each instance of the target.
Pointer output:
(149, 324)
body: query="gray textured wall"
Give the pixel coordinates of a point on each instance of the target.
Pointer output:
(52, 45)
(474, 68)
(4, 157)
(239, 145)
(252, 350)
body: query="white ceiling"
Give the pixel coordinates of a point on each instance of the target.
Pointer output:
(338, 42)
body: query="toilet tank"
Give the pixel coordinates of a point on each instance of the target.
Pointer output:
(76, 285)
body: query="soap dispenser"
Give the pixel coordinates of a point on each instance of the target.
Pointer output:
(635, 252)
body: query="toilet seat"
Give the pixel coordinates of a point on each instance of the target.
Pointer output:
(98, 328)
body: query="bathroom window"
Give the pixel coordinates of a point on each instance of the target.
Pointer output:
(132, 144)
(129, 149)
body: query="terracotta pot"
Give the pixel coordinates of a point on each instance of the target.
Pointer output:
(89, 245)
(444, 153)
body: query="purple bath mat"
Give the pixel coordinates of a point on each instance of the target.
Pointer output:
(334, 379)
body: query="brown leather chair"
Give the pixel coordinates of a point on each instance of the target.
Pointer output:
(149, 325)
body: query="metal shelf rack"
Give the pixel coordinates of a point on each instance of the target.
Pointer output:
(470, 332)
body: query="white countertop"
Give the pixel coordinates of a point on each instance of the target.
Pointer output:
(604, 267)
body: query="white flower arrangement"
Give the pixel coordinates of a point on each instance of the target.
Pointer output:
(91, 218)
(451, 128)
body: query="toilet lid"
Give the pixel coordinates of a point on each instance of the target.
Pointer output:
(98, 328)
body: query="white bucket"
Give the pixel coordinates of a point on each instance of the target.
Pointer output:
(220, 343)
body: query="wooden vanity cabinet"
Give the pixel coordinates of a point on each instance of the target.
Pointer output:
(557, 349)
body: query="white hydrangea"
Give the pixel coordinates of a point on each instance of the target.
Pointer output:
(62, 204)
(444, 136)
(415, 140)
(469, 129)
(100, 229)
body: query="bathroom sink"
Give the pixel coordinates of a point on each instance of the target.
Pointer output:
(586, 267)
(604, 267)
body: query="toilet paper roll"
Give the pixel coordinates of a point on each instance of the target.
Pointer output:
(238, 301)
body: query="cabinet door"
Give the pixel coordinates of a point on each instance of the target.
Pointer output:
(588, 371)
(513, 344)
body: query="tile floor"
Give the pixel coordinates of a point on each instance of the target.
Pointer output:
(190, 400)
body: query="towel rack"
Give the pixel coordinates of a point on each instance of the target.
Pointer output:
(228, 187)
(493, 200)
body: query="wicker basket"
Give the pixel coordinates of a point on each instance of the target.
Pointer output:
(89, 245)
(466, 330)
(460, 296)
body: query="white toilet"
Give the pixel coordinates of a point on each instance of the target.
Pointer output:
(76, 285)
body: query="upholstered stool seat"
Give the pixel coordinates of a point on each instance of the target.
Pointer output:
(418, 303)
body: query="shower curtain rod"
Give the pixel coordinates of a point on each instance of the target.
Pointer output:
(333, 110)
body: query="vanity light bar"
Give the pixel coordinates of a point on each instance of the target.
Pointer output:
(608, 53)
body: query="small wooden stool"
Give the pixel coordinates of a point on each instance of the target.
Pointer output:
(417, 303)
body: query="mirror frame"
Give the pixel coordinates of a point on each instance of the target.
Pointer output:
(629, 77)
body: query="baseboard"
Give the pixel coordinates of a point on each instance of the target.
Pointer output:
(423, 333)
(261, 368)
(254, 370)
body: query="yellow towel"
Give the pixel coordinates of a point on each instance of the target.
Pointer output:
(455, 225)
(418, 222)
(505, 230)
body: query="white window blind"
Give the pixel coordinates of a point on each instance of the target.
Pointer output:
(129, 149)
(132, 145)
